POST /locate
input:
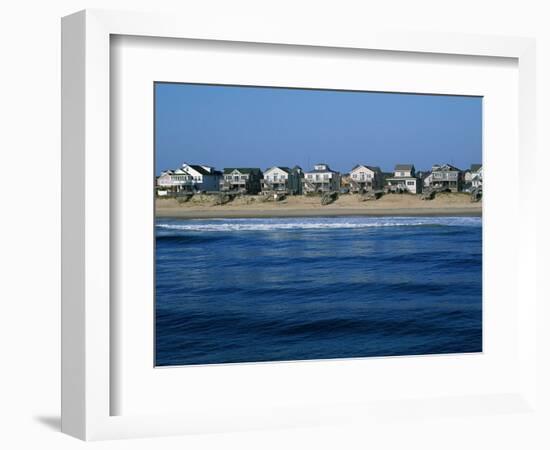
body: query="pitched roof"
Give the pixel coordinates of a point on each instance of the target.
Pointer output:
(283, 168)
(228, 170)
(445, 167)
(475, 167)
(373, 168)
(199, 169)
(327, 170)
(404, 167)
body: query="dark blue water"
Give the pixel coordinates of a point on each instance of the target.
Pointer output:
(243, 290)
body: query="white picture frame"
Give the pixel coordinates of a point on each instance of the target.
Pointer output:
(87, 386)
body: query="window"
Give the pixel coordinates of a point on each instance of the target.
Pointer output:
(354, 176)
(410, 183)
(236, 177)
(325, 176)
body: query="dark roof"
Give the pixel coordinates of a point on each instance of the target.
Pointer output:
(404, 167)
(453, 168)
(199, 169)
(328, 169)
(475, 167)
(241, 169)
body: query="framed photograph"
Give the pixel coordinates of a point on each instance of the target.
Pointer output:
(265, 228)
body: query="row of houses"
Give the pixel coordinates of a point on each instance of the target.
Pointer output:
(295, 181)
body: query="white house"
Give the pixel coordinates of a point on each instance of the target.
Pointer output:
(276, 179)
(365, 178)
(165, 179)
(283, 179)
(190, 178)
(203, 178)
(321, 179)
(404, 180)
(174, 181)
(477, 177)
(468, 173)
(428, 180)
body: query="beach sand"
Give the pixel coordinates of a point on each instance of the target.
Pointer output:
(201, 206)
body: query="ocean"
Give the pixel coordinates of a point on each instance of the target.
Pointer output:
(281, 289)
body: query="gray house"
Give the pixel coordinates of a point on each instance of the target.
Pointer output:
(245, 180)
(296, 181)
(447, 177)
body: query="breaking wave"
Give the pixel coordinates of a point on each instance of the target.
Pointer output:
(274, 224)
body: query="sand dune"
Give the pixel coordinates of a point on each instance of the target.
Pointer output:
(202, 206)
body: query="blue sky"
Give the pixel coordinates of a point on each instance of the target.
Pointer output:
(232, 126)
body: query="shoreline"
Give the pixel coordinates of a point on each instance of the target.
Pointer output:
(184, 213)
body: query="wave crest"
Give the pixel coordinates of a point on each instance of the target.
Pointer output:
(227, 225)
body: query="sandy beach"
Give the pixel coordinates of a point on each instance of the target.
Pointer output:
(202, 206)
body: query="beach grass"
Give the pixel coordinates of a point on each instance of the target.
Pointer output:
(246, 206)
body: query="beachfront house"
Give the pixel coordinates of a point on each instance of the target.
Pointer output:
(345, 182)
(173, 181)
(473, 176)
(283, 179)
(164, 184)
(477, 176)
(203, 178)
(427, 179)
(295, 181)
(189, 178)
(276, 179)
(404, 180)
(468, 173)
(164, 180)
(245, 180)
(321, 179)
(446, 176)
(363, 178)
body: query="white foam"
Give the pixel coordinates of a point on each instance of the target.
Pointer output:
(273, 224)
